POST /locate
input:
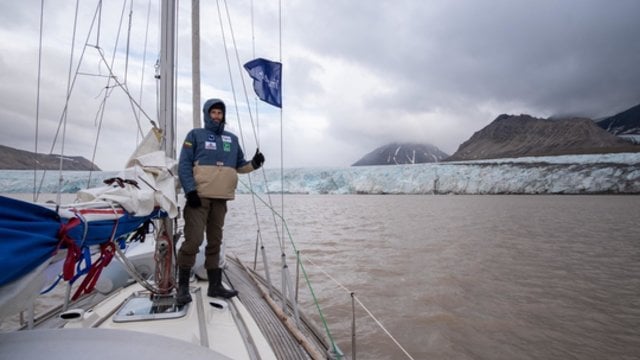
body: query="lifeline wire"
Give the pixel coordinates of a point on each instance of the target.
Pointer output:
(334, 280)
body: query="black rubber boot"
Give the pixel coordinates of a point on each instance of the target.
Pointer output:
(183, 296)
(216, 289)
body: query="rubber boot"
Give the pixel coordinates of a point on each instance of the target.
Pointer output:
(216, 289)
(183, 296)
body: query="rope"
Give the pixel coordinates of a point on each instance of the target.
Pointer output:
(363, 307)
(304, 272)
(332, 279)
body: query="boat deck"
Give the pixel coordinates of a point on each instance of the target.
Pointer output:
(283, 343)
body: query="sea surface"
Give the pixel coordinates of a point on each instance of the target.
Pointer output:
(458, 276)
(462, 276)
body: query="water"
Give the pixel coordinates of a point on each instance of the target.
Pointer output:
(468, 277)
(463, 277)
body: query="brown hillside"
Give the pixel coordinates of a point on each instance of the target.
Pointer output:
(15, 159)
(524, 135)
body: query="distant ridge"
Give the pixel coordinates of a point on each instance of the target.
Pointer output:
(524, 135)
(402, 153)
(625, 124)
(15, 159)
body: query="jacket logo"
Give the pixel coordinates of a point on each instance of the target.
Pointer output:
(226, 143)
(209, 145)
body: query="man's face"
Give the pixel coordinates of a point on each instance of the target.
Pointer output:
(216, 115)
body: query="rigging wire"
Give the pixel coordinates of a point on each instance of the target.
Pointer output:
(35, 165)
(378, 322)
(224, 41)
(107, 92)
(253, 125)
(96, 19)
(274, 213)
(126, 62)
(340, 285)
(305, 275)
(144, 63)
(69, 85)
(67, 98)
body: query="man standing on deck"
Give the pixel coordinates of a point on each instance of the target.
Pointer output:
(210, 161)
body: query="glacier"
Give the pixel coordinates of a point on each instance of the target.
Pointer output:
(568, 174)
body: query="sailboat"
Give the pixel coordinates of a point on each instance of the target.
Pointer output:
(135, 315)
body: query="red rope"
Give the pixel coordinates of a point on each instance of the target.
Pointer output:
(73, 251)
(107, 251)
(74, 255)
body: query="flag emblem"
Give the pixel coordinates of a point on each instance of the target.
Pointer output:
(267, 80)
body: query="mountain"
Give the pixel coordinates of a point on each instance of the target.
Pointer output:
(15, 159)
(524, 135)
(625, 124)
(405, 153)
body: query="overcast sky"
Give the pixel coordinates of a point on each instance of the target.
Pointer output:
(357, 74)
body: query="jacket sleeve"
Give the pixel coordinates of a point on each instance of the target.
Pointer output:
(185, 164)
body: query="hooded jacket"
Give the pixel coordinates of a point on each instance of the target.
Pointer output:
(211, 159)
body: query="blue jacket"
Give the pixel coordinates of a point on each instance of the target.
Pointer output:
(211, 159)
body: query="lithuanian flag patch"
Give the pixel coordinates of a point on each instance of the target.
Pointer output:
(187, 144)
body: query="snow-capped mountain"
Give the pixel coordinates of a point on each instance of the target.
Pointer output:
(625, 124)
(400, 154)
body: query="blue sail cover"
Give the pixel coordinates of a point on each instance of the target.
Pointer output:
(267, 80)
(29, 235)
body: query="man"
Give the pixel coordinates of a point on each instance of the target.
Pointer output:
(210, 161)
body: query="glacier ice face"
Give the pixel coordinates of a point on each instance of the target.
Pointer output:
(570, 174)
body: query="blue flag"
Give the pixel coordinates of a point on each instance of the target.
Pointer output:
(267, 80)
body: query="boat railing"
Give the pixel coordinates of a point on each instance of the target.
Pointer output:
(334, 351)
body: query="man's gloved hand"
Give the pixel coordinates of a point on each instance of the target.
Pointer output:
(193, 199)
(258, 160)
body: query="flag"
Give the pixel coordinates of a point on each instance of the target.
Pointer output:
(267, 80)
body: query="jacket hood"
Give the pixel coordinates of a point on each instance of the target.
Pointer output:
(209, 124)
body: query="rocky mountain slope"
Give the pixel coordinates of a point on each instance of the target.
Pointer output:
(15, 159)
(625, 124)
(524, 135)
(405, 153)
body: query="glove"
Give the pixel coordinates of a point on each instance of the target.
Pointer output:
(258, 160)
(193, 199)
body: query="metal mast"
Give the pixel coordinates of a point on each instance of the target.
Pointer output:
(167, 106)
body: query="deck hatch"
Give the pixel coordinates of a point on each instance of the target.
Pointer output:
(141, 307)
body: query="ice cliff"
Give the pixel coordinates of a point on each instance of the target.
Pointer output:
(574, 174)
(571, 174)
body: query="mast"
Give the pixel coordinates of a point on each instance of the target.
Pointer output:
(195, 60)
(167, 106)
(167, 116)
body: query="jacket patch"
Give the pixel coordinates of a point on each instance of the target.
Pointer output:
(209, 145)
(226, 143)
(187, 144)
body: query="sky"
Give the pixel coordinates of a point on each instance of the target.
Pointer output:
(357, 75)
